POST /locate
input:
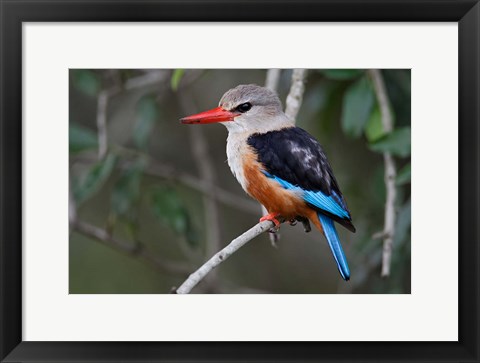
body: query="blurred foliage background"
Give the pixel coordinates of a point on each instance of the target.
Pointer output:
(152, 199)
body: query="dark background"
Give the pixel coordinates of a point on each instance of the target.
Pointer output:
(161, 199)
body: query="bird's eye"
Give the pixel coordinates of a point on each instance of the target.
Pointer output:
(244, 107)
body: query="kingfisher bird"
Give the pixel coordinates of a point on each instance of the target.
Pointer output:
(280, 165)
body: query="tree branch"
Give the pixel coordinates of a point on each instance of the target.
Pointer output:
(148, 79)
(222, 255)
(130, 249)
(271, 82)
(295, 96)
(72, 205)
(273, 77)
(294, 101)
(102, 105)
(390, 172)
(136, 250)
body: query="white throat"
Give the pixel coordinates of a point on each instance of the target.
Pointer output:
(238, 133)
(236, 148)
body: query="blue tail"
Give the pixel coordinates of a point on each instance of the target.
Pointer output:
(335, 246)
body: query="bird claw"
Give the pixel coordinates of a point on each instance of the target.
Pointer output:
(306, 223)
(293, 222)
(306, 226)
(272, 217)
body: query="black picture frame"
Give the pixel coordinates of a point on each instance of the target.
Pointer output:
(14, 12)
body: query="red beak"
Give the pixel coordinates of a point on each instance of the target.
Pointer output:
(216, 115)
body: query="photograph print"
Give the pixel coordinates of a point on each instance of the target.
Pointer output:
(240, 181)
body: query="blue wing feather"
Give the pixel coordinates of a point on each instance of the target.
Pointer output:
(316, 198)
(335, 245)
(329, 204)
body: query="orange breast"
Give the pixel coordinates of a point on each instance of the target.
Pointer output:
(269, 193)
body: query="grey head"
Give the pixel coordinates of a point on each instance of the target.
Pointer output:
(250, 93)
(259, 109)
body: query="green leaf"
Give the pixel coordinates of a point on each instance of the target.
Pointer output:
(404, 175)
(127, 188)
(80, 138)
(169, 208)
(176, 78)
(357, 107)
(342, 74)
(95, 177)
(86, 81)
(374, 128)
(397, 142)
(148, 112)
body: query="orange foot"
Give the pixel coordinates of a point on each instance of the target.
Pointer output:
(272, 217)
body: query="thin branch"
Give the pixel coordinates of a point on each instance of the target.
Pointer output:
(271, 82)
(153, 77)
(294, 101)
(390, 176)
(379, 235)
(150, 78)
(295, 96)
(273, 77)
(135, 250)
(275, 235)
(390, 172)
(102, 105)
(72, 205)
(222, 255)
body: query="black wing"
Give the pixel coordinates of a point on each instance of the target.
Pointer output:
(294, 156)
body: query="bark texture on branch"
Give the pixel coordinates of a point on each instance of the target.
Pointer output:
(102, 105)
(295, 96)
(390, 172)
(222, 255)
(294, 101)
(273, 76)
